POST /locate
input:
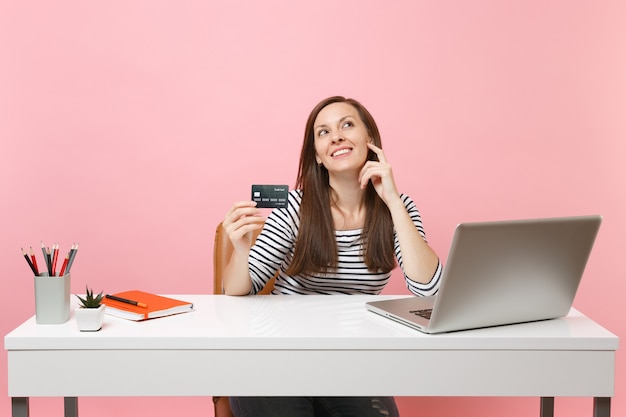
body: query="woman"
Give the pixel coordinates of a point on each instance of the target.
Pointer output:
(345, 226)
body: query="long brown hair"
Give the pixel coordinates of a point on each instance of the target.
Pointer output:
(316, 246)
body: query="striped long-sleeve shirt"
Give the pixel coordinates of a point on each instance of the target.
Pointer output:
(273, 251)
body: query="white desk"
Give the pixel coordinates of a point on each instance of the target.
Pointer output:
(231, 345)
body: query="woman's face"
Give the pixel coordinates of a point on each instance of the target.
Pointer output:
(341, 138)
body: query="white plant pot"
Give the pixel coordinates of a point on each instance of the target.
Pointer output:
(89, 319)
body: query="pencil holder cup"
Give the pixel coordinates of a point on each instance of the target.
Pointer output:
(52, 299)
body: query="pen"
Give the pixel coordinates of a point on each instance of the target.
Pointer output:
(30, 263)
(127, 301)
(32, 257)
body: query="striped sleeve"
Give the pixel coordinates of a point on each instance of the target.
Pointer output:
(274, 243)
(415, 287)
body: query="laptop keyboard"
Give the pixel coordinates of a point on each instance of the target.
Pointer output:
(422, 313)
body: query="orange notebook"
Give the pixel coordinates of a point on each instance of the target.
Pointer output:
(156, 305)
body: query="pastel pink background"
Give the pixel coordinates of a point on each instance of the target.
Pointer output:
(131, 126)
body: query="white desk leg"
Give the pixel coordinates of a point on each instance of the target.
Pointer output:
(602, 407)
(19, 407)
(71, 406)
(547, 407)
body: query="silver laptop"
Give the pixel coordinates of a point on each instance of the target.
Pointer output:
(501, 273)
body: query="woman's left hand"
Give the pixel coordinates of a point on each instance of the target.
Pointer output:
(379, 172)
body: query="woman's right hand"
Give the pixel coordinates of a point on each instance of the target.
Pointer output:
(240, 221)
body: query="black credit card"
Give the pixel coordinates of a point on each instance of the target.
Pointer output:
(270, 196)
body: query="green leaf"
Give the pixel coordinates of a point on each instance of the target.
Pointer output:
(90, 301)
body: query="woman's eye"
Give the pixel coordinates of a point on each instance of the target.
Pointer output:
(347, 124)
(322, 132)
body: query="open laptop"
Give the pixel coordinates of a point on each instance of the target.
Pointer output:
(502, 273)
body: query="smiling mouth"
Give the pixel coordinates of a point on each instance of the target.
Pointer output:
(341, 152)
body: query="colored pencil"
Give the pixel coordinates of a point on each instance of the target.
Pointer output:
(55, 255)
(45, 256)
(64, 266)
(73, 251)
(34, 259)
(30, 263)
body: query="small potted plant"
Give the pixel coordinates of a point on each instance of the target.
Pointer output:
(90, 314)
